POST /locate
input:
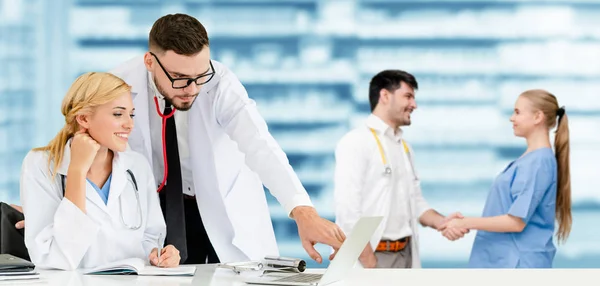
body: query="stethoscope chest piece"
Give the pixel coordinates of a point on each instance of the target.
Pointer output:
(388, 170)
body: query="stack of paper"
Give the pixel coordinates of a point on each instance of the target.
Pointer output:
(4, 276)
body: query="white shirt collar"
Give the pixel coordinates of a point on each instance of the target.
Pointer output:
(373, 121)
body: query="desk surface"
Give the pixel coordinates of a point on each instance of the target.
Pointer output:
(209, 275)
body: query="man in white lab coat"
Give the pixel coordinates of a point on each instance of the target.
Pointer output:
(217, 150)
(374, 176)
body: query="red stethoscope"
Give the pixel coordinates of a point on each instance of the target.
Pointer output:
(164, 144)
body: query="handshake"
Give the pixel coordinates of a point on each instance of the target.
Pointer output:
(451, 228)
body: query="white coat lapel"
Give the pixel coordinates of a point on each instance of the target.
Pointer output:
(202, 157)
(92, 196)
(409, 165)
(210, 202)
(118, 181)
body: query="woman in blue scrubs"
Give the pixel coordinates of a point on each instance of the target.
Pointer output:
(517, 226)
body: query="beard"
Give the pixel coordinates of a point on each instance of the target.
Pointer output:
(400, 118)
(184, 106)
(405, 121)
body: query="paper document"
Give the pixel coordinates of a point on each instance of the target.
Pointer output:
(136, 266)
(20, 276)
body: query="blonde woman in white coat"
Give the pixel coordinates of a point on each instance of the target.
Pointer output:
(86, 200)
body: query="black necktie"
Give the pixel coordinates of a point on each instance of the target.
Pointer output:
(172, 194)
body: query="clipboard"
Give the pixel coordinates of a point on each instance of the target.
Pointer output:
(269, 264)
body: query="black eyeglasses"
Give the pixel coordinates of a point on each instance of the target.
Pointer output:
(184, 82)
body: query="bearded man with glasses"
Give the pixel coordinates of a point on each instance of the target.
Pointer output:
(211, 153)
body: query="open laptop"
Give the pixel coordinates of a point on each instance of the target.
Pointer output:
(339, 267)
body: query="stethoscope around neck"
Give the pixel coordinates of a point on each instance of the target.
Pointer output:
(387, 168)
(136, 226)
(164, 144)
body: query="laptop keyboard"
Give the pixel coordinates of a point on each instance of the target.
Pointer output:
(302, 277)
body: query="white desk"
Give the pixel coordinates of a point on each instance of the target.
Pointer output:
(206, 275)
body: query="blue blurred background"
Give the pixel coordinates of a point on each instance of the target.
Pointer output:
(308, 63)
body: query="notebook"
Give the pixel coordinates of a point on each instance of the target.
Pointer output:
(136, 266)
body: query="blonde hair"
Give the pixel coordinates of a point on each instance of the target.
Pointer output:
(86, 93)
(548, 105)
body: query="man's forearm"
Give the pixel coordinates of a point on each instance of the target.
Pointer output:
(300, 212)
(431, 218)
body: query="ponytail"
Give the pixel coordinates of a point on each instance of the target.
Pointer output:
(563, 196)
(56, 149)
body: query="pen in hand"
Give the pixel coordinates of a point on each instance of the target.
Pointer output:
(158, 250)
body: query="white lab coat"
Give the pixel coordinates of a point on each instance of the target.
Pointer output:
(59, 235)
(362, 188)
(232, 155)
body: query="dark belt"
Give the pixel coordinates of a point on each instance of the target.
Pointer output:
(392, 246)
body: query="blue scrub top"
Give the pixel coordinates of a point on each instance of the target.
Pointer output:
(103, 192)
(526, 189)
